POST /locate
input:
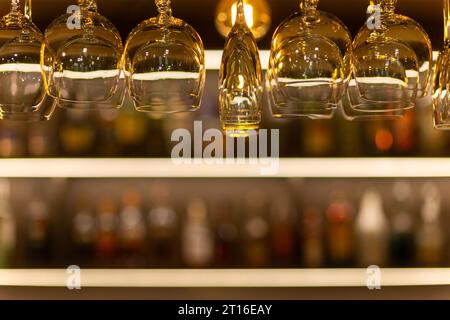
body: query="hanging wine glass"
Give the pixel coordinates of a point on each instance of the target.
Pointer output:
(441, 103)
(82, 59)
(240, 80)
(165, 64)
(45, 108)
(20, 75)
(392, 59)
(309, 65)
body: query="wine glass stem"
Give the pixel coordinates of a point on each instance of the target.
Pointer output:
(446, 21)
(15, 6)
(88, 4)
(28, 9)
(307, 5)
(240, 13)
(165, 11)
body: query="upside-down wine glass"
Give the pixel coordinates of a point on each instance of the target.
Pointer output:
(82, 59)
(309, 66)
(240, 80)
(165, 64)
(441, 82)
(23, 96)
(392, 59)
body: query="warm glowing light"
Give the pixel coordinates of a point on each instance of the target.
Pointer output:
(257, 16)
(248, 10)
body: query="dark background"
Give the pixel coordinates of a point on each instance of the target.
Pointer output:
(126, 14)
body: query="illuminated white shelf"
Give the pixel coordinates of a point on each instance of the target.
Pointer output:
(213, 58)
(287, 168)
(221, 278)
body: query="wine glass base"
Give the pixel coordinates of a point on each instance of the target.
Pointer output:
(167, 109)
(240, 130)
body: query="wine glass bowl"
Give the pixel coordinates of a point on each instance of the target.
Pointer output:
(44, 112)
(391, 63)
(441, 81)
(240, 80)
(165, 64)
(309, 64)
(441, 103)
(383, 76)
(83, 65)
(20, 75)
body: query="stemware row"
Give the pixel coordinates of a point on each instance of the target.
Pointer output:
(315, 66)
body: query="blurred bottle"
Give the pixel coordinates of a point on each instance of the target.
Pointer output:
(340, 231)
(318, 138)
(372, 231)
(106, 240)
(432, 142)
(256, 232)
(312, 238)
(283, 232)
(40, 140)
(7, 226)
(77, 133)
(349, 137)
(131, 132)
(12, 139)
(84, 233)
(378, 138)
(107, 145)
(162, 222)
(402, 236)
(430, 239)
(156, 141)
(227, 236)
(132, 230)
(38, 232)
(405, 132)
(197, 241)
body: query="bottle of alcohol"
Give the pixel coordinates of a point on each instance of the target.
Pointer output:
(318, 139)
(402, 236)
(83, 234)
(432, 142)
(162, 228)
(131, 132)
(77, 133)
(132, 230)
(107, 145)
(40, 140)
(197, 239)
(227, 236)
(106, 240)
(256, 233)
(340, 231)
(283, 233)
(404, 131)
(312, 238)
(378, 138)
(38, 231)
(7, 226)
(12, 139)
(430, 236)
(372, 231)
